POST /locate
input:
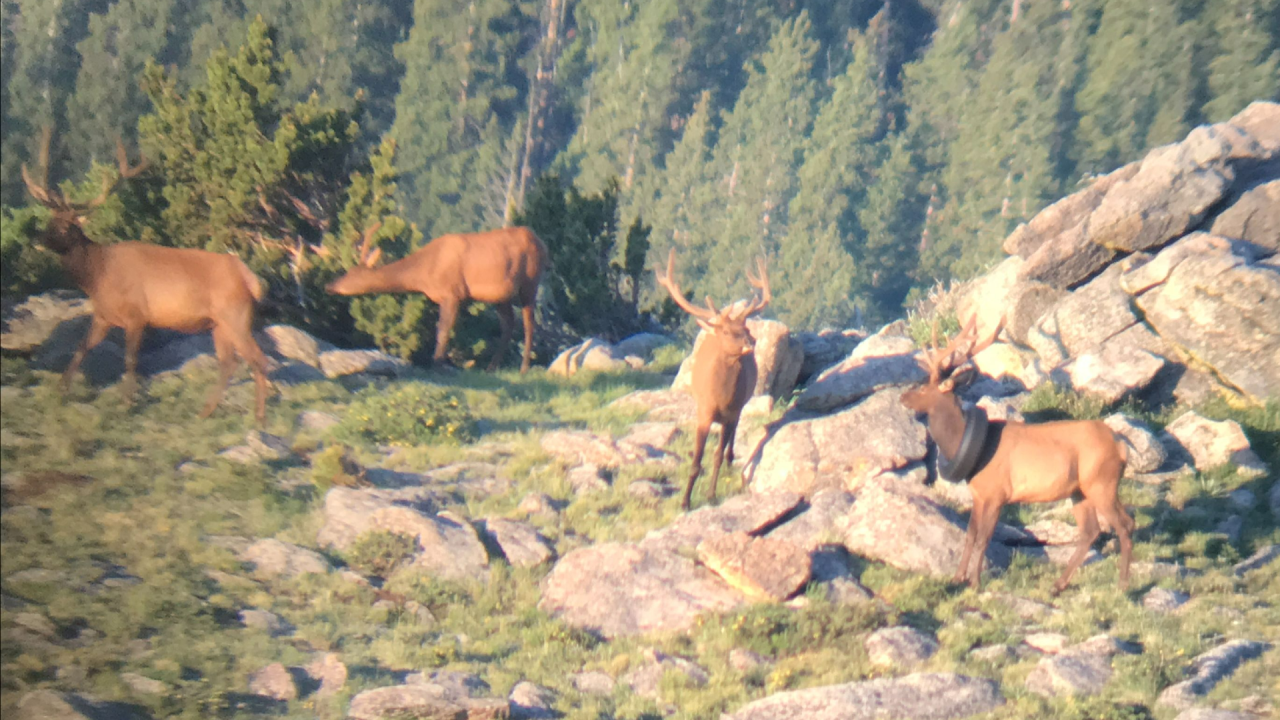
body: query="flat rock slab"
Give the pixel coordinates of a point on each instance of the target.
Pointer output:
(747, 513)
(660, 405)
(762, 568)
(1083, 320)
(837, 451)
(931, 696)
(447, 545)
(899, 526)
(900, 647)
(1208, 669)
(521, 543)
(1164, 600)
(347, 511)
(337, 363)
(1112, 372)
(274, 558)
(585, 447)
(882, 360)
(646, 680)
(424, 700)
(624, 589)
(1070, 674)
(815, 523)
(1210, 714)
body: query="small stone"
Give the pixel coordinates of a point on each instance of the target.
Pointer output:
(316, 420)
(1162, 600)
(587, 478)
(143, 685)
(993, 653)
(1145, 451)
(536, 503)
(646, 680)
(744, 660)
(1070, 675)
(1214, 443)
(329, 671)
(267, 446)
(1104, 645)
(900, 646)
(273, 681)
(241, 454)
(1242, 499)
(522, 545)
(651, 490)
(760, 567)
(592, 683)
(1047, 643)
(273, 558)
(266, 621)
(531, 702)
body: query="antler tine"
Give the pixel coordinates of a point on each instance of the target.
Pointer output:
(40, 190)
(368, 256)
(960, 348)
(125, 172)
(673, 289)
(760, 282)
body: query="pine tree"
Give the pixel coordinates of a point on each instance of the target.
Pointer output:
(1000, 171)
(889, 219)
(759, 148)
(108, 98)
(1246, 62)
(449, 128)
(815, 273)
(1135, 94)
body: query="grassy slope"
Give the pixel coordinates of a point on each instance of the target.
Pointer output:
(178, 624)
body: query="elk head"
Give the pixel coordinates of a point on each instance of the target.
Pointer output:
(357, 279)
(65, 230)
(941, 365)
(726, 328)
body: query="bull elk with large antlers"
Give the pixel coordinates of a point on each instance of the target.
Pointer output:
(499, 267)
(724, 369)
(1020, 463)
(136, 285)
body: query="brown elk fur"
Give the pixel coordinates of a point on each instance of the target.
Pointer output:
(135, 285)
(499, 267)
(724, 371)
(1046, 462)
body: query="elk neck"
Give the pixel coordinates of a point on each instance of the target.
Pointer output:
(82, 262)
(946, 425)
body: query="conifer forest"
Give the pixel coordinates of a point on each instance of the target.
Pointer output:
(868, 149)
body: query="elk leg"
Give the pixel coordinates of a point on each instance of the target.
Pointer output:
(699, 442)
(1122, 525)
(962, 572)
(98, 330)
(132, 343)
(1087, 519)
(226, 352)
(527, 313)
(988, 518)
(248, 349)
(726, 439)
(507, 318)
(444, 327)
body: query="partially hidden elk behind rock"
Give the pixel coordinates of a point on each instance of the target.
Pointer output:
(499, 267)
(724, 369)
(137, 285)
(1022, 463)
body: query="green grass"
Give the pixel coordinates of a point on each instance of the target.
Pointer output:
(176, 621)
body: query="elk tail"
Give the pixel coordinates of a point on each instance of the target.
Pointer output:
(251, 281)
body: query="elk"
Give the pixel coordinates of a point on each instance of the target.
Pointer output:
(724, 369)
(1021, 463)
(500, 267)
(135, 285)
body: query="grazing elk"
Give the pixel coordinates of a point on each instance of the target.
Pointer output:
(1021, 463)
(499, 267)
(135, 285)
(724, 369)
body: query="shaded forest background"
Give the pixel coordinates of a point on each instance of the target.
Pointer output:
(867, 148)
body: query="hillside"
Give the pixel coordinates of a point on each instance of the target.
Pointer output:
(427, 543)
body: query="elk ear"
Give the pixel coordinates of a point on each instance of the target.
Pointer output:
(705, 325)
(374, 257)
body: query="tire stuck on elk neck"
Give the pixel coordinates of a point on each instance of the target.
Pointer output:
(724, 369)
(1045, 462)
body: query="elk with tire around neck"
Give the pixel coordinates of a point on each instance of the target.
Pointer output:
(500, 267)
(724, 369)
(1022, 463)
(136, 285)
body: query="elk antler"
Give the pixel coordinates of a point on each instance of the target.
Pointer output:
(369, 256)
(761, 283)
(959, 350)
(40, 190)
(126, 172)
(669, 283)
